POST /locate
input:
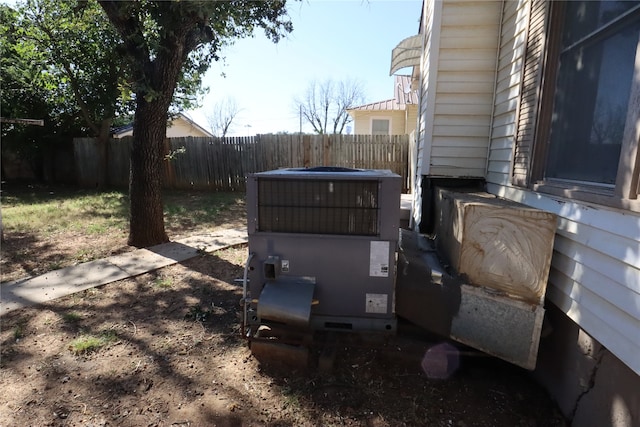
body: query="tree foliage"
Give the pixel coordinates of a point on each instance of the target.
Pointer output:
(325, 104)
(163, 43)
(28, 92)
(81, 64)
(59, 65)
(80, 45)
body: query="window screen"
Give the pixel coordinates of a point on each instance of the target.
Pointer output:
(318, 206)
(379, 127)
(597, 61)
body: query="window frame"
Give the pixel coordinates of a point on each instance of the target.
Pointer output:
(626, 191)
(380, 118)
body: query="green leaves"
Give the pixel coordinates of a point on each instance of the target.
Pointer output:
(157, 34)
(62, 54)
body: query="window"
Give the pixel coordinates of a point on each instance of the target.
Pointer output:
(592, 112)
(380, 126)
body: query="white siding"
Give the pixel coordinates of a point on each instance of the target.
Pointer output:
(176, 128)
(595, 269)
(362, 121)
(180, 128)
(510, 60)
(431, 14)
(461, 67)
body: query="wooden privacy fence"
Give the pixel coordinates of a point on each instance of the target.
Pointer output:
(222, 164)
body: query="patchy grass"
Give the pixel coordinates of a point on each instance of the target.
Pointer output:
(198, 314)
(71, 317)
(89, 343)
(18, 331)
(52, 210)
(48, 228)
(34, 209)
(237, 254)
(189, 209)
(163, 282)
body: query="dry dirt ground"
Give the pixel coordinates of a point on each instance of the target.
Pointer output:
(173, 356)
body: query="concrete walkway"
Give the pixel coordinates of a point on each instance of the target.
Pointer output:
(66, 281)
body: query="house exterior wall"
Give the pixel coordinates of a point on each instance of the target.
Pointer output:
(470, 106)
(403, 122)
(175, 129)
(419, 165)
(411, 119)
(181, 128)
(595, 270)
(458, 85)
(594, 282)
(362, 121)
(430, 27)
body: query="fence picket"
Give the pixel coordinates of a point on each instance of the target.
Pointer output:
(222, 164)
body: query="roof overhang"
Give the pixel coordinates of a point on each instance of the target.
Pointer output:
(406, 53)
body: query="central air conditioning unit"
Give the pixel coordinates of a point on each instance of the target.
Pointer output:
(322, 246)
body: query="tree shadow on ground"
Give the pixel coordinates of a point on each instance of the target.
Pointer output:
(150, 316)
(178, 353)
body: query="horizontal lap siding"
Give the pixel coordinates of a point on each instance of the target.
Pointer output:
(426, 27)
(465, 84)
(430, 29)
(595, 269)
(509, 80)
(397, 117)
(599, 289)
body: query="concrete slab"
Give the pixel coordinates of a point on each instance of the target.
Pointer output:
(144, 260)
(58, 283)
(215, 241)
(66, 281)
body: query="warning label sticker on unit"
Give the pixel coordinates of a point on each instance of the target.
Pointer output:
(379, 259)
(376, 303)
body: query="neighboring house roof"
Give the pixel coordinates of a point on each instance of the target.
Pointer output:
(403, 95)
(389, 104)
(121, 130)
(125, 130)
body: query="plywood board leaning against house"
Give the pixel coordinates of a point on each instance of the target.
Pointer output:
(496, 243)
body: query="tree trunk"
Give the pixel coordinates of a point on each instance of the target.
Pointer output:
(146, 226)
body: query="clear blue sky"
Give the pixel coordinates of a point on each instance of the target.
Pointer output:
(330, 39)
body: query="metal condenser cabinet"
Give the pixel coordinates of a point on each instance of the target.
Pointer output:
(322, 246)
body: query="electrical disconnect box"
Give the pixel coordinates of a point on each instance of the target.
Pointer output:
(322, 246)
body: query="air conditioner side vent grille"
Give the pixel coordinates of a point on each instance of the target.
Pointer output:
(342, 207)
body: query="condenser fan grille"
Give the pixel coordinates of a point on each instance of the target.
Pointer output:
(348, 207)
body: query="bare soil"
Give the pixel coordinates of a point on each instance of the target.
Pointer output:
(176, 358)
